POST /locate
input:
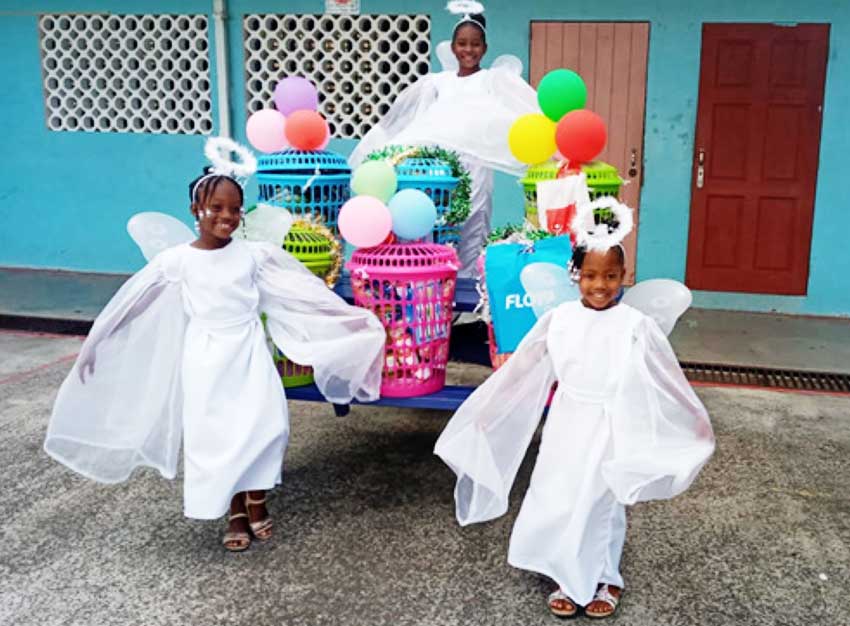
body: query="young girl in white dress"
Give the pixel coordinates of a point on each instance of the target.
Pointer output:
(468, 110)
(624, 426)
(180, 353)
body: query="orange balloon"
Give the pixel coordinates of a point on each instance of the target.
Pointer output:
(306, 130)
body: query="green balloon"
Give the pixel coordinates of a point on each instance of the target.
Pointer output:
(376, 179)
(560, 92)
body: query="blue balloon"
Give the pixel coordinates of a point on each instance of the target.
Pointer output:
(413, 214)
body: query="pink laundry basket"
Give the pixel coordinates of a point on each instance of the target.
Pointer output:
(411, 288)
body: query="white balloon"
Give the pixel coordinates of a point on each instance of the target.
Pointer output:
(267, 223)
(547, 285)
(446, 56)
(662, 299)
(153, 232)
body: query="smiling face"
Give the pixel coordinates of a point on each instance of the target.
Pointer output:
(469, 47)
(218, 212)
(601, 279)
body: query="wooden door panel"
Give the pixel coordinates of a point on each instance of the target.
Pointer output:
(611, 57)
(758, 127)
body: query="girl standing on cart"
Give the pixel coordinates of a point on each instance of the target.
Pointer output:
(468, 110)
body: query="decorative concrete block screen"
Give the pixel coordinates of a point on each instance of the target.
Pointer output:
(126, 73)
(359, 63)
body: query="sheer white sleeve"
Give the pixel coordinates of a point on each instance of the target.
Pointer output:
(662, 432)
(516, 95)
(486, 439)
(409, 103)
(127, 413)
(313, 326)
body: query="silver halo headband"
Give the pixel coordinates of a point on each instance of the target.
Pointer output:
(466, 9)
(467, 19)
(217, 150)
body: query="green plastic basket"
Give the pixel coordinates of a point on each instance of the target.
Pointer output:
(314, 251)
(602, 180)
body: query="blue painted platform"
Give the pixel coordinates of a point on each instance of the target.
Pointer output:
(449, 398)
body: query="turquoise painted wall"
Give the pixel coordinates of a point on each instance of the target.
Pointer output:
(69, 194)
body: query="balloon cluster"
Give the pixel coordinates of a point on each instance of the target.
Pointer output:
(294, 122)
(564, 126)
(378, 210)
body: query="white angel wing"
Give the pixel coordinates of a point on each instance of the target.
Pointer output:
(662, 299)
(447, 58)
(509, 63)
(266, 223)
(547, 285)
(154, 232)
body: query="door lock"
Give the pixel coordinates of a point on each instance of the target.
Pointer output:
(700, 168)
(633, 164)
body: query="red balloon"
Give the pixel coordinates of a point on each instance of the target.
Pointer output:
(306, 130)
(580, 135)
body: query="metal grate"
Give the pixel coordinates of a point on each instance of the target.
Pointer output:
(801, 380)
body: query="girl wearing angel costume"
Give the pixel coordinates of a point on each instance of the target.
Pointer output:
(624, 427)
(466, 109)
(180, 353)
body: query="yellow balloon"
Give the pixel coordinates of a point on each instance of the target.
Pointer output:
(532, 138)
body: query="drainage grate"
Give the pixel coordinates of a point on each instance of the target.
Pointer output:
(765, 377)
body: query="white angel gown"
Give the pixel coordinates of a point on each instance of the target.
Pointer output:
(470, 115)
(181, 352)
(624, 426)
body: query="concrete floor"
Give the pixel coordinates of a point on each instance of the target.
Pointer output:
(366, 534)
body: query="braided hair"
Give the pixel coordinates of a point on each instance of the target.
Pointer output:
(205, 185)
(580, 253)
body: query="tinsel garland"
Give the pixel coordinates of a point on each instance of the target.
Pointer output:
(461, 204)
(519, 233)
(316, 225)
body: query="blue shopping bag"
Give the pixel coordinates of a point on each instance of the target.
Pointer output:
(510, 306)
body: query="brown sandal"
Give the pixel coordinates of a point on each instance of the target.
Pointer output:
(236, 541)
(606, 598)
(561, 605)
(261, 530)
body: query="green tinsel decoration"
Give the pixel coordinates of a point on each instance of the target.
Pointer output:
(526, 230)
(461, 204)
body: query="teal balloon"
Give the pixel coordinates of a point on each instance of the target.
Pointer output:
(376, 179)
(413, 214)
(559, 92)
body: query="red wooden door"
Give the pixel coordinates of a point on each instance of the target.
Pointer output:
(756, 157)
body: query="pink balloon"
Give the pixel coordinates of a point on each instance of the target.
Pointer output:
(364, 221)
(295, 93)
(266, 130)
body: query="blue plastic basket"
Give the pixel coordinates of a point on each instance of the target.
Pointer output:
(434, 177)
(305, 183)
